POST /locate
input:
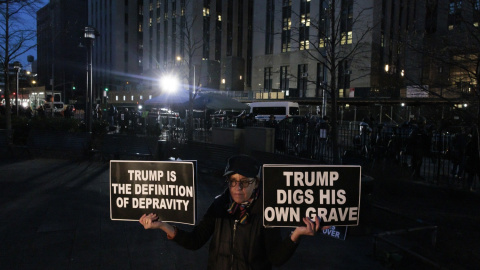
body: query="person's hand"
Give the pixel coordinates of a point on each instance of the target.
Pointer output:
(310, 229)
(150, 221)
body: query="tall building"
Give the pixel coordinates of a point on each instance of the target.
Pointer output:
(140, 41)
(118, 50)
(215, 35)
(293, 39)
(388, 51)
(61, 60)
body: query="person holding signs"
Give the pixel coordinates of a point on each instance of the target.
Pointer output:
(235, 222)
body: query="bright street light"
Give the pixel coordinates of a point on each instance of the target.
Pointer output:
(169, 83)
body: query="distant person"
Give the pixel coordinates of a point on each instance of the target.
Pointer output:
(234, 223)
(418, 143)
(29, 112)
(241, 120)
(271, 123)
(457, 149)
(323, 128)
(112, 111)
(68, 113)
(41, 111)
(472, 161)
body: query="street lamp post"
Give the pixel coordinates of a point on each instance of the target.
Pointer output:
(90, 33)
(191, 95)
(190, 107)
(18, 68)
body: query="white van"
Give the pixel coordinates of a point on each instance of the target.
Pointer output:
(280, 109)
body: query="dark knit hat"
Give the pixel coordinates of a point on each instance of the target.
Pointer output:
(244, 165)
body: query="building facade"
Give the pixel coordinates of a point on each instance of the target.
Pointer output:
(117, 53)
(61, 59)
(370, 51)
(142, 40)
(214, 37)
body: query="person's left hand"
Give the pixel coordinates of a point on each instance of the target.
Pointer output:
(311, 229)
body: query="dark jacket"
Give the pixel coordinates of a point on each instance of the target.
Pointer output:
(235, 245)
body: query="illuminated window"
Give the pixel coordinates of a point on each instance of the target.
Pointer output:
(305, 20)
(346, 38)
(321, 43)
(304, 45)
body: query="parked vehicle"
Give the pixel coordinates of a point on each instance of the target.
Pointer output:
(280, 109)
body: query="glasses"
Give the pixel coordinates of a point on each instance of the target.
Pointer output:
(244, 183)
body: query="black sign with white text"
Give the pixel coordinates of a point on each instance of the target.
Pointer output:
(292, 192)
(166, 188)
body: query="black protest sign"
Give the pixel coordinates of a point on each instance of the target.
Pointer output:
(291, 192)
(165, 188)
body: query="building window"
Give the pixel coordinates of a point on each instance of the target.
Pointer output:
(304, 24)
(304, 45)
(165, 41)
(321, 79)
(343, 78)
(229, 48)
(284, 78)
(267, 79)
(269, 23)
(454, 13)
(174, 8)
(218, 30)
(240, 13)
(286, 25)
(346, 22)
(476, 13)
(206, 30)
(324, 22)
(174, 40)
(302, 80)
(182, 7)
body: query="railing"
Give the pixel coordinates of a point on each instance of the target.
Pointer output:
(360, 145)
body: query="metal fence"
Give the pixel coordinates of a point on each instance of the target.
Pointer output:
(443, 161)
(359, 144)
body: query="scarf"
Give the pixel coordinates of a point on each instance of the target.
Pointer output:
(240, 210)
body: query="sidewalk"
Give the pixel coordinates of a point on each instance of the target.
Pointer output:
(54, 214)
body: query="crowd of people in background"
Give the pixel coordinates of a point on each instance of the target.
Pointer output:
(308, 136)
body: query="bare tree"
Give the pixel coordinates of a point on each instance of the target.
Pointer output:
(16, 38)
(190, 43)
(454, 56)
(342, 43)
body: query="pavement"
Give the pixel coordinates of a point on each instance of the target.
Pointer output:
(54, 214)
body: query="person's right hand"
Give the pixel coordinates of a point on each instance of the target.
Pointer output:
(150, 221)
